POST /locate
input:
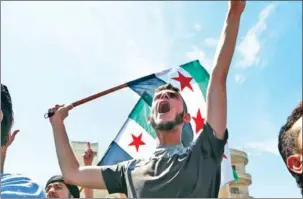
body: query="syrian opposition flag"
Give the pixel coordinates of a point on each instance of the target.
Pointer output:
(137, 138)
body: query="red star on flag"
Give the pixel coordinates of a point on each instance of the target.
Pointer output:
(137, 141)
(199, 121)
(184, 81)
(224, 156)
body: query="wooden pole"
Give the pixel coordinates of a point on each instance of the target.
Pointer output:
(92, 97)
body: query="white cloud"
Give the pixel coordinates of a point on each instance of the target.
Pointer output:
(211, 42)
(197, 27)
(198, 53)
(270, 146)
(250, 47)
(240, 79)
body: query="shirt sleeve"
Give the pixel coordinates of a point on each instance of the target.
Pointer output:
(18, 186)
(114, 178)
(209, 145)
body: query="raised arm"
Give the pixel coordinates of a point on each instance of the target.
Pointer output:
(87, 176)
(216, 113)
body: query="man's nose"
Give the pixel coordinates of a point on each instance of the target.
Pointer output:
(164, 96)
(51, 190)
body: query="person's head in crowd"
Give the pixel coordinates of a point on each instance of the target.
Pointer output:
(11, 185)
(6, 115)
(290, 144)
(168, 114)
(57, 188)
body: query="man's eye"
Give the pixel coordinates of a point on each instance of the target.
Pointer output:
(172, 95)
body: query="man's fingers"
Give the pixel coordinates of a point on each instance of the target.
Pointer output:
(12, 136)
(88, 145)
(15, 133)
(69, 107)
(59, 106)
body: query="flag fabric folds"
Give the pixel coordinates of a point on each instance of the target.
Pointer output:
(137, 138)
(235, 174)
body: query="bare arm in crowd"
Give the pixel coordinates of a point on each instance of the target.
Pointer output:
(216, 113)
(87, 176)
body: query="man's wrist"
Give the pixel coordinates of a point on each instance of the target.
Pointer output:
(57, 123)
(234, 15)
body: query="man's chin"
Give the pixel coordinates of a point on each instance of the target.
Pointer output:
(165, 118)
(165, 126)
(166, 123)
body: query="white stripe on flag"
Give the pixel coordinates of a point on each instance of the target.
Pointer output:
(130, 131)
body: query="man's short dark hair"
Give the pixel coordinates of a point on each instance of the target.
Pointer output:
(73, 189)
(175, 89)
(7, 110)
(288, 140)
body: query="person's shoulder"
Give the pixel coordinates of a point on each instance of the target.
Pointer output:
(18, 185)
(15, 178)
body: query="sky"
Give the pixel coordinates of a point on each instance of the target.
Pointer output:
(60, 52)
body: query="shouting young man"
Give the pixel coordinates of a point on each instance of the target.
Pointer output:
(172, 171)
(290, 144)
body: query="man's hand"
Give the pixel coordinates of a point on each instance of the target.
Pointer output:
(88, 156)
(10, 140)
(236, 7)
(61, 112)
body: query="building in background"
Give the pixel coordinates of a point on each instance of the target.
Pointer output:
(239, 160)
(79, 149)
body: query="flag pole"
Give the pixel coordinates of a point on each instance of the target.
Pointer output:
(108, 91)
(92, 97)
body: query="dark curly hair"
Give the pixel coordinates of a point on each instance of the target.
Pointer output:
(288, 141)
(7, 110)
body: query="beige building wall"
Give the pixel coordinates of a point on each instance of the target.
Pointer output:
(79, 149)
(238, 189)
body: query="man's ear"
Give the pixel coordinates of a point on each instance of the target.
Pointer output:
(294, 163)
(1, 115)
(186, 118)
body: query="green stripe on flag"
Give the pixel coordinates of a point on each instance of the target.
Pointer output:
(140, 113)
(200, 75)
(236, 177)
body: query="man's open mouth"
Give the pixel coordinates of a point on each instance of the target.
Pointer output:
(163, 107)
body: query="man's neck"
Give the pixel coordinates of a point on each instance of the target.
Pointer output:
(172, 137)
